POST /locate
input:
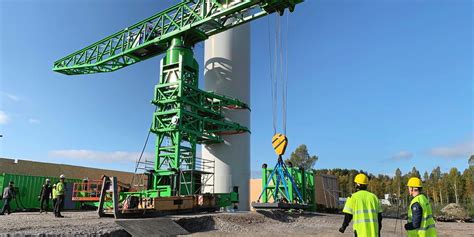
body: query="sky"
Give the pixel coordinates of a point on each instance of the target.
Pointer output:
(372, 84)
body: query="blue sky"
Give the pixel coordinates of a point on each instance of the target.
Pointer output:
(373, 84)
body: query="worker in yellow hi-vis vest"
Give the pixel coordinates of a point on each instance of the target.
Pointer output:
(420, 217)
(60, 192)
(364, 209)
(55, 197)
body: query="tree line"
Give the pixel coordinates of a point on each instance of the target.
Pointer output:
(442, 188)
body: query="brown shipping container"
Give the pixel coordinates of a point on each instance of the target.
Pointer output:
(326, 191)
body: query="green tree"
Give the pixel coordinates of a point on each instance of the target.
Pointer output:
(468, 177)
(442, 188)
(414, 173)
(426, 177)
(397, 183)
(454, 183)
(301, 158)
(427, 185)
(435, 177)
(376, 187)
(343, 185)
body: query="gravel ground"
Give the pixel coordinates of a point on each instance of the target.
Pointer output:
(217, 224)
(74, 223)
(317, 224)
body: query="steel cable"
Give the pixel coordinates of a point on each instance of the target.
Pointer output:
(271, 77)
(142, 152)
(279, 72)
(285, 83)
(275, 72)
(281, 75)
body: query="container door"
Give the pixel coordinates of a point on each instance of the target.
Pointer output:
(68, 203)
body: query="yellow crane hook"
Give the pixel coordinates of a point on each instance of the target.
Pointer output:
(279, 143)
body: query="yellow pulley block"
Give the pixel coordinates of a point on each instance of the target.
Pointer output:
(279, 143)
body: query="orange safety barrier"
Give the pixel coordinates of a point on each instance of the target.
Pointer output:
(87, 191)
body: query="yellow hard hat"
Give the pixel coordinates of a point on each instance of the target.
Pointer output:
(415, 182)
(361, 179)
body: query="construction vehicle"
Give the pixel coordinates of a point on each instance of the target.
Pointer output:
(185, 115)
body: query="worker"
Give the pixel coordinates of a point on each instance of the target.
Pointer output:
(54, 195)
(364, 209)
(45, 196)
(8, 195)
(84, 188)
(60, 192)
(420, 217)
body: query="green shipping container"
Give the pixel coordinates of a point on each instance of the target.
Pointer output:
(28, 189)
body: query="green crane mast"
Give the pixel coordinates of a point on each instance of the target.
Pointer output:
(185, 115)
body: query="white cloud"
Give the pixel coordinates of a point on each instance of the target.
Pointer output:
(101, 156)
(460, 150)
(402, 155)
(33, 121)
(11, 96)
(4, 117)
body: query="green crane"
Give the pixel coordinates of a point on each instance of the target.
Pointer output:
(185, 115)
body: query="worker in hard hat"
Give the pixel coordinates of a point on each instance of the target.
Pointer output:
(45, 196)
(420, 217)
(54, 195)
(60, 192)
(364, 209)
(8, 195)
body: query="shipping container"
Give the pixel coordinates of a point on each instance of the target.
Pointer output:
(28, 189)
(326, 191)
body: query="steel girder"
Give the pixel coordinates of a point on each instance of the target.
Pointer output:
(194, 20)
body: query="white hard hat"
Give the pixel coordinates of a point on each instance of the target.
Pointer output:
(48, 180)
(62, 176)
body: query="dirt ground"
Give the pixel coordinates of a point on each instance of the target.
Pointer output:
(316, 224)
(74, 223)
(217, 224)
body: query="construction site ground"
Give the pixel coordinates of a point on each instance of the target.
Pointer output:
(215, 224)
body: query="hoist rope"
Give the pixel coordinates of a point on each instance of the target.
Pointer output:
(285, 76)
(279, 72)
(272, 80)
(275, 72)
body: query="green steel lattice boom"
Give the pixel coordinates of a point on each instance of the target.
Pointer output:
(193, 20)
